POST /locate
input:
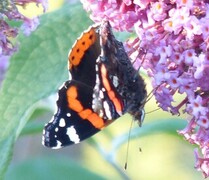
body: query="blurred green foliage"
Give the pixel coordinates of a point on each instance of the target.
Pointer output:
(49, 168)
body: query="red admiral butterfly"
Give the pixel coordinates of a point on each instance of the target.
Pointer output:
(103, 86)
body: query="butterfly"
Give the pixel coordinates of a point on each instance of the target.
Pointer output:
(103, 85)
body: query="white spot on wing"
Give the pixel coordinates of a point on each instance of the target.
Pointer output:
(96, 68)
(97, 80)
(71, 132)
(107, 110)
(94, 96)
(68, 114)
(101, 113)
(62, 122)
(58, 146)
(56, 129)
(115, 81)
(101, 94)
(70, 76)
(43, 140)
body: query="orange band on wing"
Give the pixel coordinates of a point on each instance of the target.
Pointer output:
(115, 101)
(96, 120)
(72, 92)
(110, 92)
(85, 114)
(76, 54)
(104, 78)
(73, 103)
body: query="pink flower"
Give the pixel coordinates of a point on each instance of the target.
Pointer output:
(192, 27)
(196, 107)
(9, 11)
(29, 25)
(121, 14)
(173, 41)
(202, 163)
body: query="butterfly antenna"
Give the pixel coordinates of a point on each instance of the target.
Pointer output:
(143, 58)
(151, 94)
(153, 110)
(136, 51)
(127, 149)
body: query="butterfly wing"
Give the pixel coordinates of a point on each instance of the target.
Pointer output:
(75, 120)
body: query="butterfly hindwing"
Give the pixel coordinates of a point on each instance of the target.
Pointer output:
(72, 122)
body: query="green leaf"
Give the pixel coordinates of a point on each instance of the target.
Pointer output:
(39, 112)
(32, 127)
(169, 126)
(50, 168)
(36, 71)
(35, 123)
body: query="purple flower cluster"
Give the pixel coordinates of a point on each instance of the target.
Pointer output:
(9, 13)
(173, 41)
